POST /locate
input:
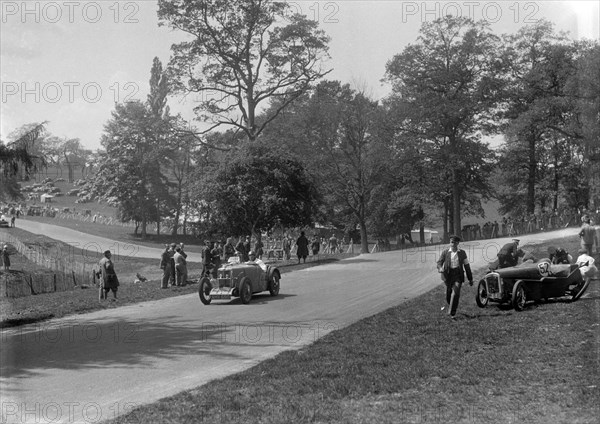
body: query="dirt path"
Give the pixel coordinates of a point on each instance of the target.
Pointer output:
(100, 365)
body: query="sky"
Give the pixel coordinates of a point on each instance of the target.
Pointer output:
(68, 62)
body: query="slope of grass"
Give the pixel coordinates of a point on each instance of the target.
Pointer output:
(411, 364)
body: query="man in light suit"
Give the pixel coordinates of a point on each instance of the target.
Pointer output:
(452, 264)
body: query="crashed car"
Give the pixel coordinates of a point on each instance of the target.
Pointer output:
(241, 280)
(4, 221)
(517, 285)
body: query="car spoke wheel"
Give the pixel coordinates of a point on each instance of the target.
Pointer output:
(580, 289)
(245, 291)
(204, 291)
(274, 286)
(482, 296)
(519, 298)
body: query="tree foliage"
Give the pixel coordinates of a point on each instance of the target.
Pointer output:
(241, 55)
(445, 88)
(253, 191)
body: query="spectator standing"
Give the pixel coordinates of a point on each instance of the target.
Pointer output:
(258, 248)
(240, 249)
(216, 253)
(587, 235)
(333, 244)
(302, 247)
(315, 246)
(228, 249)
(206, 258)
(248, 246)
(12, 221)
(452, 264)
(5, 255)
(287, 247)
(165, 265)
(109, 280)
(180, 267)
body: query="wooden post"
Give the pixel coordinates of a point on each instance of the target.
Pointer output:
(74, 280)
(31, 284)
(54, 275)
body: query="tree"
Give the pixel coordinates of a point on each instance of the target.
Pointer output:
(17, 157)
(241, 55)
(68, 152)
(253, 190)
(539, 63)
(129, 173)
(334, 132)
(447, 86)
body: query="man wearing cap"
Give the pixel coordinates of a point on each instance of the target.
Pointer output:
(587, 235)
(509, 254)
(452, 264)
(109, 280)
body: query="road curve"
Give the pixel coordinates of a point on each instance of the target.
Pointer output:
(96, 366)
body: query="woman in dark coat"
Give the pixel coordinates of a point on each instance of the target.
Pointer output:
(302, 251)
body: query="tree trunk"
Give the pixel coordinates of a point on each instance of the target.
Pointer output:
(144, 225)
(532, 166)
(456, 193)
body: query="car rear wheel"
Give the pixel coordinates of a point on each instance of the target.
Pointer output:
(519, 298)
(274, 286)
(245, 290)
(482, 296)
(204, 291)
(580, 289)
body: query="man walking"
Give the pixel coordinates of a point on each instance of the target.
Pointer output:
(452, 264)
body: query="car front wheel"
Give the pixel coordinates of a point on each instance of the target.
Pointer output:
(519, 298)
(274, 286)
(580, 289)
(204, 291)
(245, 290)
(482, 296)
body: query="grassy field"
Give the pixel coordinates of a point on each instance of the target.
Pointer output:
(411, 364)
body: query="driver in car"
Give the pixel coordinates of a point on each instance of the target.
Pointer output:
(255, 260)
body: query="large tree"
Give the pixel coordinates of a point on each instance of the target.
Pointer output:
(539, 64)
(254, 190)
(240, 55)
(18, 158)
(129, 173)
(447, 85)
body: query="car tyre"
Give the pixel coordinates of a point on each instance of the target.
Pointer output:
(519, 298)
(245, 290)
(204, 291)
(274, 286)
(580, 289)
(482, 297)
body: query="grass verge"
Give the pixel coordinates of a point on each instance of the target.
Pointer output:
(411, 364)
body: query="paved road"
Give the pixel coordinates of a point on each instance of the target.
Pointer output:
(99, 365)
(95, 243)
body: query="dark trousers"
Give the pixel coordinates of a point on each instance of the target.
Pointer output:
(453, 284)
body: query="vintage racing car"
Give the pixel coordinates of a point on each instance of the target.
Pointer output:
(520, 284)
(241, 280)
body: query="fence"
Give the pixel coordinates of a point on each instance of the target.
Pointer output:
(69, 273)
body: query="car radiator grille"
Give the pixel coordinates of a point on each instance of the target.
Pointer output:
(493, 284)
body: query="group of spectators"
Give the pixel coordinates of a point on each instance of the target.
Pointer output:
(524, 224)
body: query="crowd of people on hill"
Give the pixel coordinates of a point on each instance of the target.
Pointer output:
(524, 224)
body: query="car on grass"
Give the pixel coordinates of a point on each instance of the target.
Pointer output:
(527, 282)
(242, 280)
